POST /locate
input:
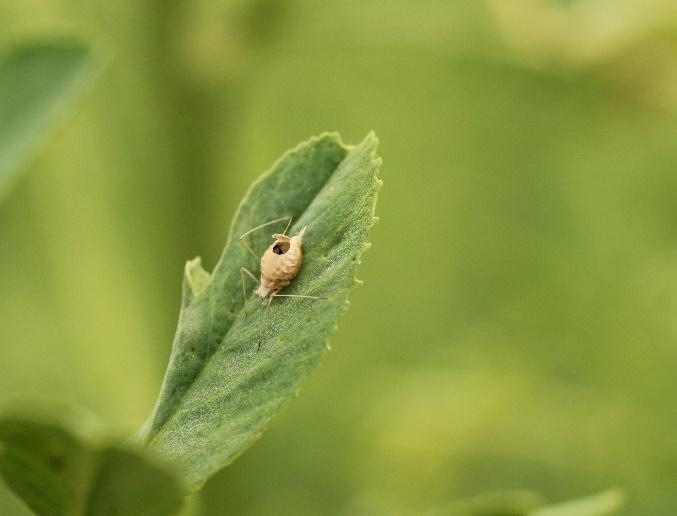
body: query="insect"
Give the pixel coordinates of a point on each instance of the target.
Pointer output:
(280, 263)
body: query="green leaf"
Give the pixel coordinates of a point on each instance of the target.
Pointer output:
(126, 485)
(232, 367)
(608, 502)
(195, 279)
(528, 503)
(55, 473)
(36, 83)
(501, 503)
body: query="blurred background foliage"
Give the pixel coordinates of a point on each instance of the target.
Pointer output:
(517, 328)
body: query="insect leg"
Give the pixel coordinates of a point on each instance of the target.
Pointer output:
(246, 271)
(298, 295)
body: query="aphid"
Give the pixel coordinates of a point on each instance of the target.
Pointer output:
(280, 263)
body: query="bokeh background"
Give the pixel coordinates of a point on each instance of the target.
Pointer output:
(518, 323)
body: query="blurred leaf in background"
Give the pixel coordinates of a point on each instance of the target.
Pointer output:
(517, 330)
(602, 504)
(10, 504)
(57, 474)
(36, 83)
(527, 503)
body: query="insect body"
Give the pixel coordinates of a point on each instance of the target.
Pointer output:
(280, 264)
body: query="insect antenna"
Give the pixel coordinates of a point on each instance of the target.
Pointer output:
(248, 248)
(288, 224)
(267, 224)
(299, 295)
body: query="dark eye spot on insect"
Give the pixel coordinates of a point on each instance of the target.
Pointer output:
(281, 247)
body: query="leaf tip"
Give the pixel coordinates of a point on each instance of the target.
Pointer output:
(191, 264)
(196, 276)
(372, 138)
(330, 136)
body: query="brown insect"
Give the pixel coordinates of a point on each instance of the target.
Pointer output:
(280, 263)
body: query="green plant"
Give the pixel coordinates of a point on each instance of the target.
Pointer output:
(37, 82)
(232, 365)
(526, 503)
(58, 473)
